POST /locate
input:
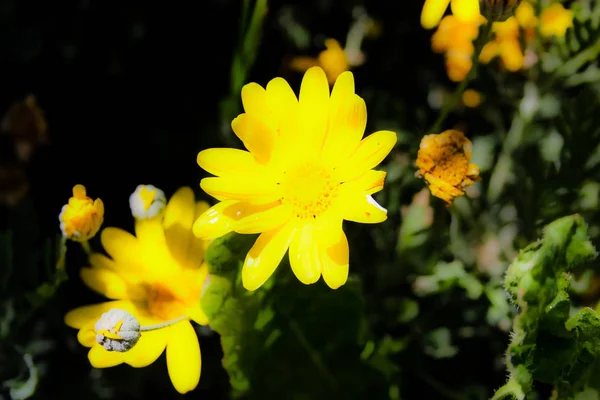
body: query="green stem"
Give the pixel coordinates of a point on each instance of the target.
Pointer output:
(86, 247)
(314, 355)
(449, 105)
(163, 325)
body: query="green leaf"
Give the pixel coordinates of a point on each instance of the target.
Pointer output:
(286, 338)
(547, 345)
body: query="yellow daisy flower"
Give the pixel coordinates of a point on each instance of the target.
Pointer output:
(306, 170)
(443, 161)
(156, 276)
(81, 218)
(464, 10)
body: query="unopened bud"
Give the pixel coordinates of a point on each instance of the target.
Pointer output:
(498, 10)
(117, 330)
(147, 201)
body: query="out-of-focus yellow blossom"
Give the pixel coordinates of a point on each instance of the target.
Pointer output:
(525, 15)
(471, 98)
(498, 10)
(555, 20)
(505, 45)
(156, 276)
(334, 60)
(306, 171)
(81, 218)
(443, 161)
(464, 10)
(147, 201)
(455, 38)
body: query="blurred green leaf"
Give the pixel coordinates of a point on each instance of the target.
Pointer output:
(285, 337)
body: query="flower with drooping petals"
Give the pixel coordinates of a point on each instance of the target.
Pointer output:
(443, 161)
(156, 276)
(81, 218)
(306, 170)
(464, 10)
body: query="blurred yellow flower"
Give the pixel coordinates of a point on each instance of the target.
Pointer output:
(555, 20)
(471, 98)
(505, 45)
(334, 60)
(156, 276)
(464, 10)
(455, 38)
(81, 218)
(443, 161)
(306, 170)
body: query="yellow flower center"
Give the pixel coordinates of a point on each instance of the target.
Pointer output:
(309, 190)
(164, 303)
(147, 196)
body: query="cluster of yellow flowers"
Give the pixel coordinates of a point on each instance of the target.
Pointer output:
(506, 44)
(456, 32)
(306, 169)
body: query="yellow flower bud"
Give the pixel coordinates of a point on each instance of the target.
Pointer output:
(555, 20)
(82, 217)
(117, 330)
(498, 10)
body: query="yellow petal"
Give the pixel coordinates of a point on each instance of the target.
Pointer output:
(347, 127)
(100, 358)
(257, 137)
(147, 349)
(154, 256)
(86, 315)
(124, 248)
(255, 191)
(222, 162)
(370, 152)
(216, 221)
(304, 255)
(360, 207)
(370, 182)
(87, 335)
(183, 357)
(284, 105)
(197, 245)
(264, 221)
(197, 315)
(254, 100)
(432, 13)
(111, 285)
(465, 10)
(313, 111)
(266, 254)
(336, 263)
(329, 227)
(177, 223)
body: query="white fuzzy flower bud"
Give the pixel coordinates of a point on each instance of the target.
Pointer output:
(147, 201)
(117, 330)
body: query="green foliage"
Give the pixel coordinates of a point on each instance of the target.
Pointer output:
(286, 337)
(551, 341)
